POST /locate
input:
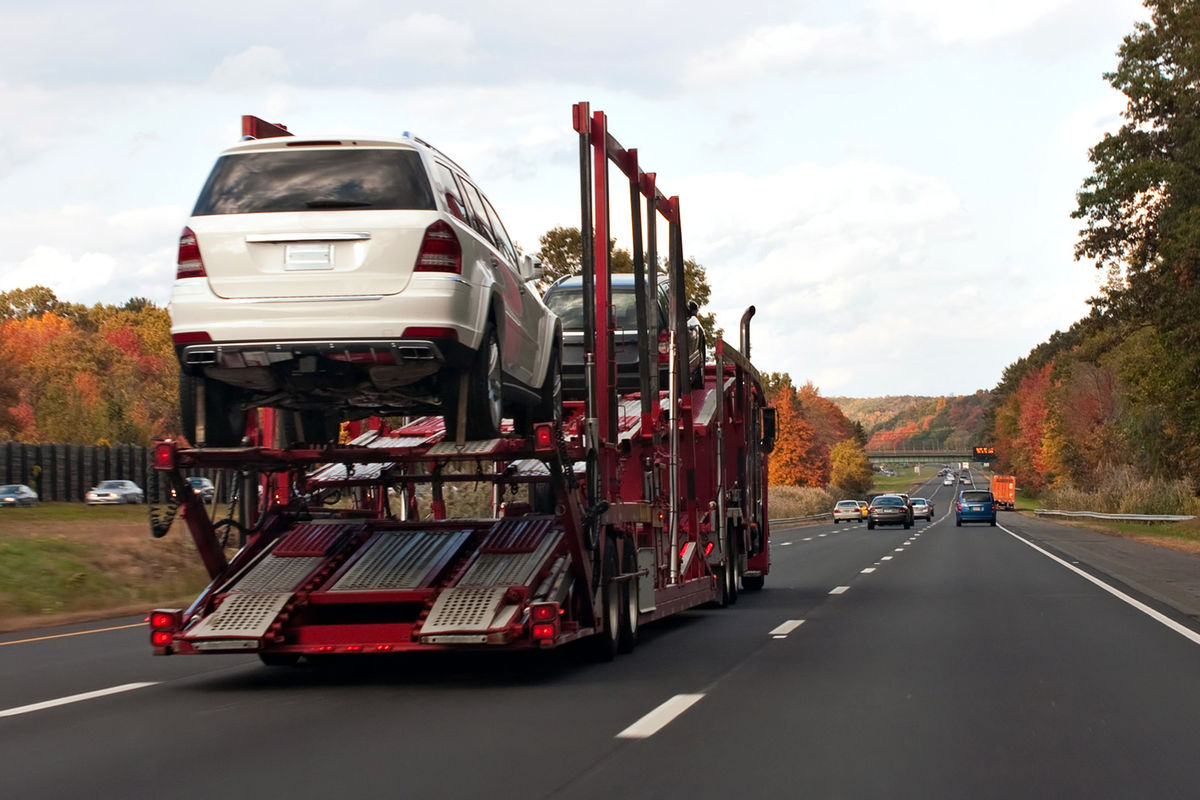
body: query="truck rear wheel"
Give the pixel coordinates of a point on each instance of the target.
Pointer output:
(605, 644)
(628, 634)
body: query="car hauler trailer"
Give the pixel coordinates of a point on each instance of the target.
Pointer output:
(641, 505)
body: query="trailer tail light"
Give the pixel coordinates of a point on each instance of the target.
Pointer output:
(163, 619)
(164, 622)
(354, 648)
(543, 631)
(543, 437)
(440, 250)
(164, 456)
(708, 548)
(544, 612)
(190, 264)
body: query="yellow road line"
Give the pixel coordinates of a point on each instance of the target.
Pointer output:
(76, 633)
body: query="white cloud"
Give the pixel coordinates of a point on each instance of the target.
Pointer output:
(783, 50)
(958, 22)
(420, 36)
(258, 65)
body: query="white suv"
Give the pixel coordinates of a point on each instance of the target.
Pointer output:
(339, 278)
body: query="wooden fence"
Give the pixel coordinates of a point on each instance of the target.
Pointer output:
(64, 472)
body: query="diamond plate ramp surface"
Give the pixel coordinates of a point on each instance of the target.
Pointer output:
(511, 554)
(464, 609)
(312, 539)
(246, 615)
(400, 560)
(276, 574)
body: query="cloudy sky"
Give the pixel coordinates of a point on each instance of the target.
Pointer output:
(888, 181)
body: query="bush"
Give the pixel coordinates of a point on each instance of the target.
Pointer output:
(785, 502)
(1123, 491)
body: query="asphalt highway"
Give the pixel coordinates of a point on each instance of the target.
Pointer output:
(936, 662)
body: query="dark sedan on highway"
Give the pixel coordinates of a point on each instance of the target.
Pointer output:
(17, 494)
(975, 505)
(888, 509)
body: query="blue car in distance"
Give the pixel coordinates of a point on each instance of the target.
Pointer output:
(975, 505)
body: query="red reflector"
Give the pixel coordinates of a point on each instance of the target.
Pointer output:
(543, 631)
(160, 620)
(190, 264)
(708, 548)
(383, 648)
(325, 648)
(191, 337)
(546, 612)
(419, 332)
(160, 638)
(354, 648)
(440, 250)
(164, 456)
(543, 437)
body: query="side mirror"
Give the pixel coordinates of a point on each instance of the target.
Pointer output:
(768, 430)
(531, 268)
(693, 308)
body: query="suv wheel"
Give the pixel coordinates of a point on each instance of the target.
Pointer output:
(484, 404)
(213, 408)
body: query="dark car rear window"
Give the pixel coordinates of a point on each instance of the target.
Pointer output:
(887, 501)
(567, 303)
(311, 179)
(977, 497)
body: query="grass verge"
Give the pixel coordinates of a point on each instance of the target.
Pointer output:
(66, 561)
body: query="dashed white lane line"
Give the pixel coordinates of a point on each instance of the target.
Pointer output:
(660, 717)
(887, 558)
(899, 550)
(1187, 633)
(809, 539)
(784, 544)
(868, 570)
(840, 590)
(781, 631)
(819, 535)
(75, 698)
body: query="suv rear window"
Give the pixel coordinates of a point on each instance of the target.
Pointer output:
(977, 497)
(312, 179)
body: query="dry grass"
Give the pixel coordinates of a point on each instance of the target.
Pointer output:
(786, 502)
(60, 570)
(1124, 491)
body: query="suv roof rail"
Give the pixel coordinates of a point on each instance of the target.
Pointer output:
(438, 153)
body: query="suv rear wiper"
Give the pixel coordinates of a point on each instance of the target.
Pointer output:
(338, 204)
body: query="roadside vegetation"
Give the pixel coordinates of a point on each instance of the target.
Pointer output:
(1107, 414)
(786, 502)
(63, 561)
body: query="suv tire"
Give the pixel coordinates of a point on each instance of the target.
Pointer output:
(484, 387)
(220, 411)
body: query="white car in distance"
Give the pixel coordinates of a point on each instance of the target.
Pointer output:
(337, 278)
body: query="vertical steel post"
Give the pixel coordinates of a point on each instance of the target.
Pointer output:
(645, 351)
(651, 192)
(605, 412)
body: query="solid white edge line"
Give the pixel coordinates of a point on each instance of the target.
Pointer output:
(786, 628)
(660, 717)
(1187, 633)
(75, 698)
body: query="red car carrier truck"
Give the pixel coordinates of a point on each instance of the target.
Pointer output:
(638, 506)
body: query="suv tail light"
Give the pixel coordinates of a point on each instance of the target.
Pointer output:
(191, 265)
(440, 250)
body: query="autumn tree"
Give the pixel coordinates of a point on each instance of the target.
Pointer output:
(850, 469)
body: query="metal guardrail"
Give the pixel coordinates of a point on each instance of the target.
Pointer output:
(812, 518)
(1127, 517)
